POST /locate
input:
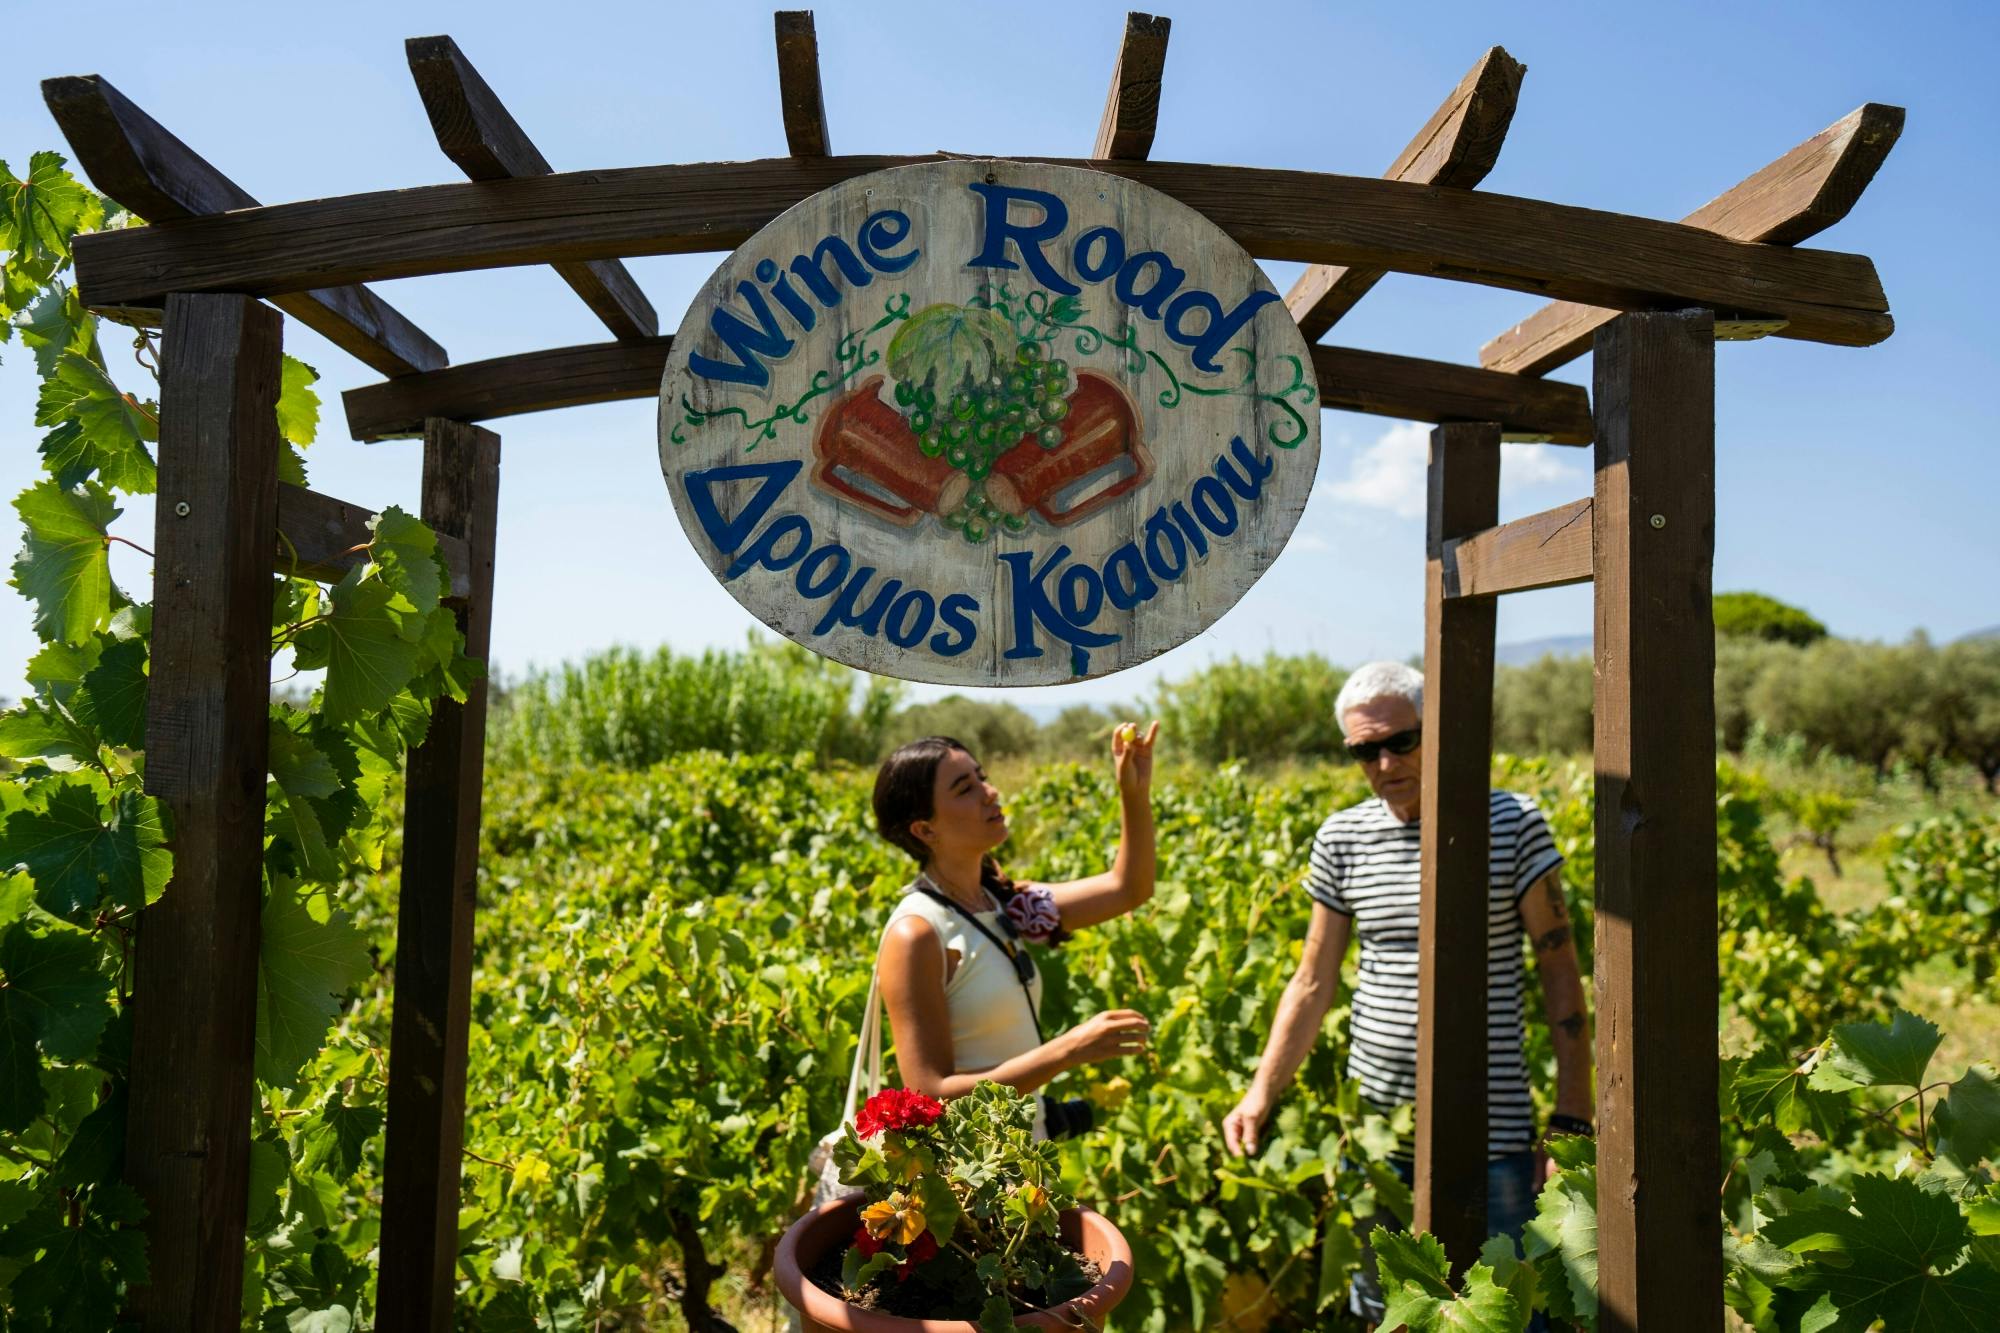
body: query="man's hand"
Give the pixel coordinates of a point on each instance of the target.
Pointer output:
(1242, 1125)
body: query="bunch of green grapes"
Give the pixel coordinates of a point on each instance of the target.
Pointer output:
(983, 419)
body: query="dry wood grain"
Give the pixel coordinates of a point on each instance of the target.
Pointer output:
(432, 1004)
(1379, 383)
(800, 96)
(1545, 550)
(1796, 197)
(1495, 240)
(1451, 1139)
(476, 131)
(187, 1136)
(1653, 533)
(129, 157)
(322, 538)
(1457, 146)
(1132, 108)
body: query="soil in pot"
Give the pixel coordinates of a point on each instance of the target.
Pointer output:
(916, 1298)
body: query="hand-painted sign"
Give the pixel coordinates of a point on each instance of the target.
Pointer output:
(989, 423)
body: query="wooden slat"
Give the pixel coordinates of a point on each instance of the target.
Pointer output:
(1796, 197)
(1414, 389)
(1456, 147)
(1377, 383)
(187, 1138)
(129, 157)
(476, 131)
(1132, 108)
(1653, 523)
(431, 1011)
(1450, 1184)
(1545, 550)
(322, 538)
(799, 94)
(1471, 235)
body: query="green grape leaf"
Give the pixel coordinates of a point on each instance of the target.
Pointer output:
(1891, 1258)
(269, 1165)
(1769, 1087)
(405, 550)
(1416, 1287)
(338, 1136)
(1512, 1271)
(1870, 1055)
(111, 428)
(54, 324)
(54, 986)
(298, 405)
(59, 668)
(63, 566)
(21, 1093)
(114, 695)
(78, 851)
(947, 346)
(311, 956)
(1339, 1254)
(1561, 1241)
(1968, 1119)
(74, 1281)
(37, 731)
(368, 658)
(40, 213)
(292, 465)
(96, 1150)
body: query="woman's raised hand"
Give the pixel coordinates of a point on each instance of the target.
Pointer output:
(1132, 756)
(1108, 1036)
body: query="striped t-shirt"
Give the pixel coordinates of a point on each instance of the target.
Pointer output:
(1367, 864)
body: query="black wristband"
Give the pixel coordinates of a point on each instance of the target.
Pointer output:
(1570, 1124)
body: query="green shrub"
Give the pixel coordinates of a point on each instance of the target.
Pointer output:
(1275, 711)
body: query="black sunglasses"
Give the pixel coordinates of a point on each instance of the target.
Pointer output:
(1365, 752)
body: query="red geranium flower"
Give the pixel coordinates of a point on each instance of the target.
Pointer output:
(866, 1243)
(896, 1108)
(921, 1250)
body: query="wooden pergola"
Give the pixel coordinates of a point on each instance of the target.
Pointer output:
(1649, 297)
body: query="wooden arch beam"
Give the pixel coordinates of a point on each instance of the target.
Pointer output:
(1457, 146)
(1796, 197)
(131, 158)
(477, 132)
(1355, 381)
(1496, 240)
(1132, 109)
(800, 96)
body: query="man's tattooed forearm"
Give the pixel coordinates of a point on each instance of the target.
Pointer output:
(1552, 886)
(1553, 939)
(1572, 1025)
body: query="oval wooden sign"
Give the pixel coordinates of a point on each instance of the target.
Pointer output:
(989, 423)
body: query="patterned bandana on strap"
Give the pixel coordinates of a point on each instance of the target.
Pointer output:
(1033, 914)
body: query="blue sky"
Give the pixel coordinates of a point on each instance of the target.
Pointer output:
(1862, 484)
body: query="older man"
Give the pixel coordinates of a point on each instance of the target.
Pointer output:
(1365, 878)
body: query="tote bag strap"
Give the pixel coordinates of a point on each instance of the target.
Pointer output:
(867, 1050)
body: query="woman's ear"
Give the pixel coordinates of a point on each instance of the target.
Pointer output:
(923, 831)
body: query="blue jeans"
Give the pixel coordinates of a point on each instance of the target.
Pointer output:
(1511, 1188)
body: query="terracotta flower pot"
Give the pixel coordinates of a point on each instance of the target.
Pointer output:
(832, 1225)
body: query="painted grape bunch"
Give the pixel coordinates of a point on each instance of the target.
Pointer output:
(970, 388)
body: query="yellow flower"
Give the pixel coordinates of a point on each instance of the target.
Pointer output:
(896, 1218)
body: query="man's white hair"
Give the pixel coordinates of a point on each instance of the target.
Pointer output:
(1379, 680)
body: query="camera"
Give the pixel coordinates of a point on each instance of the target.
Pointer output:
(1066, 1120)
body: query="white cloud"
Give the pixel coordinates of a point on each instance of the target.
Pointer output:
(1389, 474)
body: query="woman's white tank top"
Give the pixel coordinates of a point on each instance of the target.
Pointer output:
(990, 1019)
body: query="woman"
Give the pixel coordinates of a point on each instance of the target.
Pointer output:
(963, 994)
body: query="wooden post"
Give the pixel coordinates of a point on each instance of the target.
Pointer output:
(1653, 525)
(433, 983)
(1456, 821)
(187, 1139)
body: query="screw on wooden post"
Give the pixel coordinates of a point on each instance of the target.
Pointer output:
(194, 1003)
(1658, 1142)
(1450, 1186)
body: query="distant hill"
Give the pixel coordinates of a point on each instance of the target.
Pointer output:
(1534, 650)
(1990, 632)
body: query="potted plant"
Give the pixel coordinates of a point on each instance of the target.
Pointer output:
(958, 1223)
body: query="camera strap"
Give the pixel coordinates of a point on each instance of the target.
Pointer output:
(1024, 965)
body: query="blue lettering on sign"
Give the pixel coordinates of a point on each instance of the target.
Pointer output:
(760, 337)
(1100, 253)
